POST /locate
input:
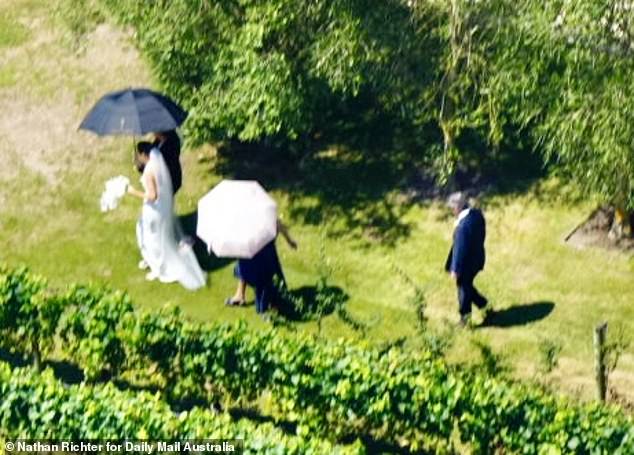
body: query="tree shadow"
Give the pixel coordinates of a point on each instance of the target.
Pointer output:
(330, 182)
(310, 302)
(510, 169)
(365, 182)
(208, 261)
(521, 314)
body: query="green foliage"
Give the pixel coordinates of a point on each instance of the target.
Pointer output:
(91, 329)
(29, 315)
(274, 70)
(79, 17)
(38, 406)
(12, 32)
(329, 389)
(589, 128)
(549, 351)
(617, 344)
(437, 342)
(559, 73)
(155, 341)
(492, 363)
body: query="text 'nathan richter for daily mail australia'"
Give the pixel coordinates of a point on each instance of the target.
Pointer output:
(136, 447)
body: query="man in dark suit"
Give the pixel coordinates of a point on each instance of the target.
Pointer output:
(169, 144)
(466, 257)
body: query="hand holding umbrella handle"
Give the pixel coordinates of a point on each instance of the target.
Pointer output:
(282, 229)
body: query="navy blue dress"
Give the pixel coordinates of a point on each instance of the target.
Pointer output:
(259, 272)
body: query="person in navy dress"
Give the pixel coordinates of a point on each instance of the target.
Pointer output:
(260, 272)
(466, 257)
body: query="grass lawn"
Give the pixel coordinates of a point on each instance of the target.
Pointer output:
(52, 176)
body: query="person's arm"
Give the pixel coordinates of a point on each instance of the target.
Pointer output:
(151, 194)
(282, 229)
(459, 251)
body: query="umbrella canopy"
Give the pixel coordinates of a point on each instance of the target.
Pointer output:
(135, 112)
(237, 218)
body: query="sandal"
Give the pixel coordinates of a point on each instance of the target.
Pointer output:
(230, 302)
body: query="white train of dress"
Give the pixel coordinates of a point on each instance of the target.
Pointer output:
(159, 238)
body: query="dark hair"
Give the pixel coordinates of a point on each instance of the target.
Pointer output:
(142, 148)
(168, 133)
(171, 138)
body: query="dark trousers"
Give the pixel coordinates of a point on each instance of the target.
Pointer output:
(468, 294)
(268, 295)
(263, 296)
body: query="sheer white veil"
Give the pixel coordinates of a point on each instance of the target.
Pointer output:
(178, 261)
(163, 180)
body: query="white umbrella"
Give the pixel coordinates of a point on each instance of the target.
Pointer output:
(237, 218)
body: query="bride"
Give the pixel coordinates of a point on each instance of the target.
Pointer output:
(168, 256)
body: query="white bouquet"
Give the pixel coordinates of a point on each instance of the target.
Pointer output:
(116, 188)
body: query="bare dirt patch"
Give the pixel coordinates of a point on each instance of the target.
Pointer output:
(55, 88)
(595, 232)
(43, 136)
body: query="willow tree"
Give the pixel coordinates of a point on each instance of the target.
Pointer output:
(557, 71)
(590, 129)
(570, 85)
(252, 69)
(480, 77)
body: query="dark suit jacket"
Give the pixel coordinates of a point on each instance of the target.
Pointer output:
(171, 151)
(467, 252)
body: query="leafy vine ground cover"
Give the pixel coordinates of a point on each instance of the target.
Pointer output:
(334, 390)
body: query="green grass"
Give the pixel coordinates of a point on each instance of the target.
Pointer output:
(12, 33)
(8, 76)
(56, 228)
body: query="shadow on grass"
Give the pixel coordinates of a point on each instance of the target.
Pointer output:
(208, 262)
(366, 186)
(510, 169)
(519, 314)
(336, 183)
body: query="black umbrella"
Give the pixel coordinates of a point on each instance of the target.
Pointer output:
(135, 112)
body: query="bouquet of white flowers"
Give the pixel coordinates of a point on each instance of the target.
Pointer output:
(116, 188)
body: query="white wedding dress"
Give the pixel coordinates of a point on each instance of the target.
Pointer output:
(169, 258)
